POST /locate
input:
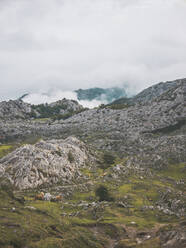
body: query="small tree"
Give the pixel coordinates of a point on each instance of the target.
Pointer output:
(103, 193)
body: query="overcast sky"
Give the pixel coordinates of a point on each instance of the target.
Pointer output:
(70, 44)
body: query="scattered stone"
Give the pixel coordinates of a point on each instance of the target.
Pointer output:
(30, 207)
(13, 209)
(47, 197)
(133, 223)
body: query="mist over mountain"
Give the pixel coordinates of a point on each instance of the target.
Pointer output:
(100, 94)
(90, 98)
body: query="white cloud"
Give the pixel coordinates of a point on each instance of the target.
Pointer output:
(70, 44)
(53, 96)
(38, 98)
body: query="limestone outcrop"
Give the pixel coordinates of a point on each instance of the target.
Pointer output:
(46, 162)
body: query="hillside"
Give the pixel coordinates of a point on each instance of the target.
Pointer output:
(111, 177)
(150, 93)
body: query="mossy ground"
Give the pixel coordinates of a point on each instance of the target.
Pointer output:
(5, 149)
(9, 147)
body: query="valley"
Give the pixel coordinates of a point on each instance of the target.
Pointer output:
(111, 177)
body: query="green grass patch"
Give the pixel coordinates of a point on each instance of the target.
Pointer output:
(41, 120)
(5, 149)
(85, 196)
(175, 171)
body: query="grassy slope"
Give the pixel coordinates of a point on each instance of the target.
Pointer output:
(49, 224)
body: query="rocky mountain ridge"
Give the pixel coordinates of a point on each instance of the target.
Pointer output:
(14, 109)
(151, 93)
(17, 109)
(157, 90)
(121, 128)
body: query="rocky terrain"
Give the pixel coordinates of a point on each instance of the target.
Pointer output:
(19, 110)
(134, 150)
(60, 108)
(157, 90)
(151, 93)
(133, 129)
(14, 110)
(51, 162)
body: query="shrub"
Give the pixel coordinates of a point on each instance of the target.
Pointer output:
(108, 158)
(118, 106)
(7, 187)
(103, 193)
(70, 157)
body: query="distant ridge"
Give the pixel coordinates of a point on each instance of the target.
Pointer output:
(108, 95)
(150, 93)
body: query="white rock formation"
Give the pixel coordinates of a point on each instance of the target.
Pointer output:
(46, 162)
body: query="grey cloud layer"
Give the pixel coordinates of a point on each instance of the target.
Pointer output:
(68, 44)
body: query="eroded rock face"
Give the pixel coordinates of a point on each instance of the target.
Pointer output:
(17, 109)
(14, 109)
(46, 162)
